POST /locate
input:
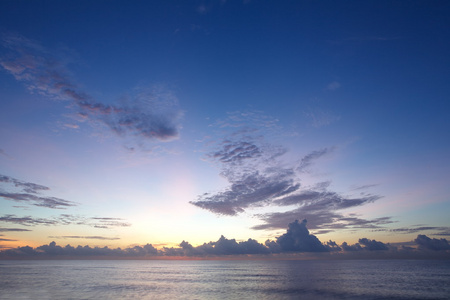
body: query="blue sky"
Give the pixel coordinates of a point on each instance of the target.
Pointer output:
(162, 121)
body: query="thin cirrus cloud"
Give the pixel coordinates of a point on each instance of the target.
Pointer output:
(309, 159)
(153, 115)
(28, 194)
(66, 219)
(13, 229)
(89, 237)
(437, 230)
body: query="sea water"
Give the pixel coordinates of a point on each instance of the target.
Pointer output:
(219, 279)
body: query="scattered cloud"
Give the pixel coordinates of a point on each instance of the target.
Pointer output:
(66, 219)
(13, 229)
(260, 176)
(49, 202)
(254, 189)
(322, 221)
(27, 220)
(438, 230)
(235, 152)
(108, 222)
(27, 194)
(27, 187)
(153, 114)
(91, 237)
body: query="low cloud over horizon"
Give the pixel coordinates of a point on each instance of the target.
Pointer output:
(296, 240)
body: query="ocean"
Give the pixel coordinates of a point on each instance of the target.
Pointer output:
(224, 279)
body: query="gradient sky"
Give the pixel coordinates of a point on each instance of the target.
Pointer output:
(125, 123)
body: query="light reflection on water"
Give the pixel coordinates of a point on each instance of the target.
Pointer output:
(154, 279)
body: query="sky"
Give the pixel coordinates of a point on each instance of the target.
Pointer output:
(201, 127)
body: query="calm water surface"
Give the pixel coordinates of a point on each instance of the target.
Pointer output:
(152, 279)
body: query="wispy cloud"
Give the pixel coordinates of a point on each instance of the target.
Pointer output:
(308, 159)
(65, 219)
(321, 117)
(13, 229)
(49, 202)
(27, 220)
(89, 237)
(436, 230)
(27, 194)
(364, 187)
(7, 240)
(26, 186)
(152, 116)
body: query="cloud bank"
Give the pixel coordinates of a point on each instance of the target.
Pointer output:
(296, 240)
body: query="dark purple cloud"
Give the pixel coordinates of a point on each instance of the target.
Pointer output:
(253, 189)
(151, 115)
(322, 207)
(426, 243)
(372, 245)
(365, 244)
(298, 239)
(236, 152)
(351, 248)
(322, 220)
